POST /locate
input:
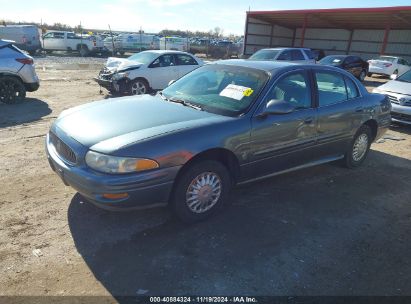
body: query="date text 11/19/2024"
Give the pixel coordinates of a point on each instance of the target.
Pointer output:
(203, 299)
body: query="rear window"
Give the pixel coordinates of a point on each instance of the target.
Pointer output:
(265, 55)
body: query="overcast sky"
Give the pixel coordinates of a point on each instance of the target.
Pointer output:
(155, 15)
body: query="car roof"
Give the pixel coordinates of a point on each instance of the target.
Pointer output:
(286, 48)
(5, 42)
(265, 65)
(166, 52)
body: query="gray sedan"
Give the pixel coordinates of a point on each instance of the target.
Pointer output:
(224, 124)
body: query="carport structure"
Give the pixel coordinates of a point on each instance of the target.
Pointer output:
(367, 32)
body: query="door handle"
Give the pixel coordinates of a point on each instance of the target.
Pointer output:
(359, 109)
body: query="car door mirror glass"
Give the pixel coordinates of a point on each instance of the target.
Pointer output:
(277, 106)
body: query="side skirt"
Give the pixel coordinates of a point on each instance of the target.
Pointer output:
(307, 165)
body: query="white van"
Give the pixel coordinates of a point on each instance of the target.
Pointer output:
(26, 37)
(174, 44)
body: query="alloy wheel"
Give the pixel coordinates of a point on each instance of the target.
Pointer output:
(360, 147)
(138, 88)
(203, 192)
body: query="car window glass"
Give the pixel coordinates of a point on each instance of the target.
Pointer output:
(71, 36)
(349, 60)
(297, 55)
(285, 55)
(163, 61)
(352, 90)
(185, 60)
(309, 54)
(331, 88)
(48, 35)
(58, 36)
(292, 88)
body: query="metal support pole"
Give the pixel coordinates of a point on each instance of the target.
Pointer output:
(293, 42)
(303, 30)
(349, 42)
(386, 35)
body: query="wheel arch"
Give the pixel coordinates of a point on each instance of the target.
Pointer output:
(226, 157)
(372, 123)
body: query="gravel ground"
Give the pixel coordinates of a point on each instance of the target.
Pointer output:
(320, 231)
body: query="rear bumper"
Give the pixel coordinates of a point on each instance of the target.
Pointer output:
(379, 71)
(145, 190)
(31, 87)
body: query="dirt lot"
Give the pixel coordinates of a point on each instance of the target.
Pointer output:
(320, 231)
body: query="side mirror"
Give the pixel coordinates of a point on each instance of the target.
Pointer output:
(277, 106)
(171, 82)
(394, 76)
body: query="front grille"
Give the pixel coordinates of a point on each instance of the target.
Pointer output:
(63, 150)
(400, 116)
(393, 99)
(105, 74)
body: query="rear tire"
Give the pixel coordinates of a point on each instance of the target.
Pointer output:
(83, 50)
(200, 191)
(359, 147)
(12, 90)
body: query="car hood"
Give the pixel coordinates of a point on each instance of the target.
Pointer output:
(118, 64)
(106, 126)
(395, 86)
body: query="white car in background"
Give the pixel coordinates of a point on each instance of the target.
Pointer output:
(388, 65)
(146, 71)
(398, 92)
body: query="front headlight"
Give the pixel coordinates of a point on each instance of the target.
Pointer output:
(113, 164)
(118, 76)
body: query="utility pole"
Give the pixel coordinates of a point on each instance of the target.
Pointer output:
(112, 39)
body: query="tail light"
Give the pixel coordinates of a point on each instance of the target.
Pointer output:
(25, 60)
(387, 65)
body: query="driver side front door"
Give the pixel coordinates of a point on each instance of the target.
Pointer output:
(162, 71)
(283, 141)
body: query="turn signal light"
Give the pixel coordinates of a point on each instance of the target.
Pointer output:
(115, 196)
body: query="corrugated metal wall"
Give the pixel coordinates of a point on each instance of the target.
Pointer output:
(365, 43)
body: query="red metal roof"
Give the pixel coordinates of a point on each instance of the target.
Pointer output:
(399, 17)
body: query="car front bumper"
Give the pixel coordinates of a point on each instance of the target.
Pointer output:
(380, 71)
(401, 114)
(145, 190)
(31, 87)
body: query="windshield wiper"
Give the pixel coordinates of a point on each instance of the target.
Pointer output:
(181, 101)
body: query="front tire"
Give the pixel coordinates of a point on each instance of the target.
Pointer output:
(359, 147)
(362, 75)
(200, 191)
(139, 87)
(12, 90)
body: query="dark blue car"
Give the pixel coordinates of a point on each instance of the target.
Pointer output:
(226, 123)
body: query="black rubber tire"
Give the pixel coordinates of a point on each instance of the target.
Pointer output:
(142, 82)
(83, 50)
(369, 74)
(12, 90)
(362, 75)
(349, 162)
(178, 199)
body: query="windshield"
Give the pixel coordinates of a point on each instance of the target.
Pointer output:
(386, 58)
(332, 60)
(265, 55)
(221, 89)
(406, 77)
(143, 57)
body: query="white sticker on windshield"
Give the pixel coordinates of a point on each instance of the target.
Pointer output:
(236, 92)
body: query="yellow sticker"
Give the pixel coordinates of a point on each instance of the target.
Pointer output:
(248, 92)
